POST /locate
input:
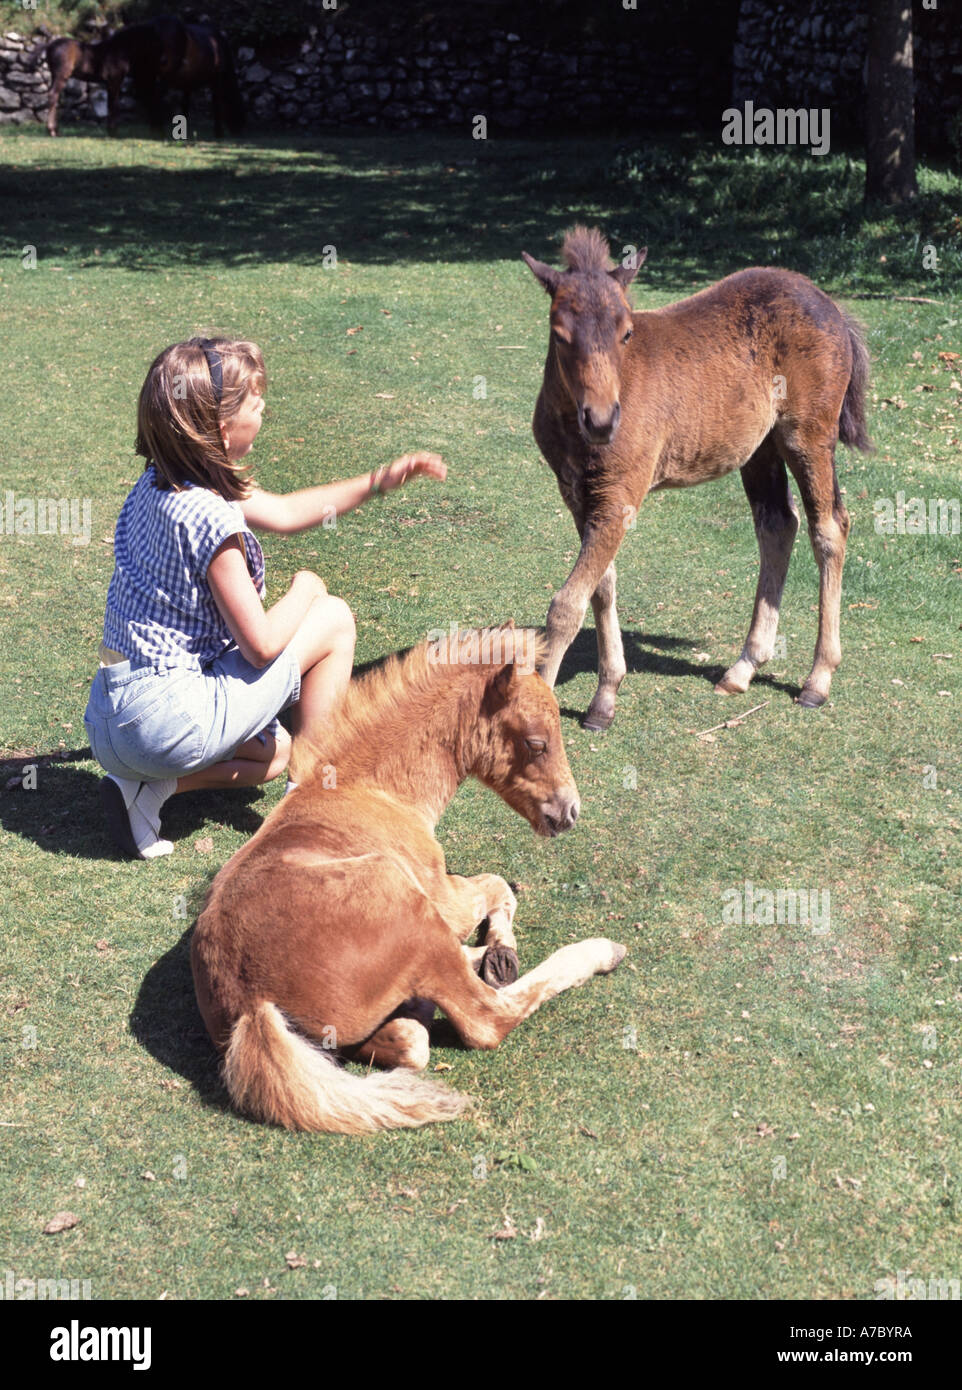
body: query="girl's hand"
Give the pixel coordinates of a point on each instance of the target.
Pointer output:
(410, 466)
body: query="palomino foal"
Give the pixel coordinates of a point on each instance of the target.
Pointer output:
(338, 924)
(759, 371)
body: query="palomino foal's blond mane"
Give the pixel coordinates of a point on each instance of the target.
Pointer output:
(409, 689)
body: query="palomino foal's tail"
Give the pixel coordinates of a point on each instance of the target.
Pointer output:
(276, 1075)
(852, 429)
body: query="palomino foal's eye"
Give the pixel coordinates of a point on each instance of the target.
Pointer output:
(537, 746)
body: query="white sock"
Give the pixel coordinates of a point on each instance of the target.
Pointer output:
(144, 812)
(143, 801)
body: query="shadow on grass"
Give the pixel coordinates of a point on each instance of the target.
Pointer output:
(166, 1021)
(381, 199)
(62, 812)
(645, 653)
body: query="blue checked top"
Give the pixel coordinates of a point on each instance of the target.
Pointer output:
(160, 609)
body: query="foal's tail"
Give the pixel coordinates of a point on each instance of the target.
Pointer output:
(276, 1075)
(852, 429)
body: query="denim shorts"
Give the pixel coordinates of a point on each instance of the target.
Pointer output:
(149, 724)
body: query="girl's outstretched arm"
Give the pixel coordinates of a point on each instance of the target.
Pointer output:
(289, 512)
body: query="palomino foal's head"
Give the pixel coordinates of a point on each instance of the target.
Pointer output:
(517, 748)
(591, 324)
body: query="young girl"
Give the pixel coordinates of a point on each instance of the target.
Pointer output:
(193, 669)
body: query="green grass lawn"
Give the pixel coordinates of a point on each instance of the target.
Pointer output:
(740, 1111)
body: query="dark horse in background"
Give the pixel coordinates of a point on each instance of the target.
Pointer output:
(156, 55)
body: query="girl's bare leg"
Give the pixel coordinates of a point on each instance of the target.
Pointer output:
(324, 648)
(253, 763)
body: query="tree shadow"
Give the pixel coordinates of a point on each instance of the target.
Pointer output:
(57, 806)
(385, 198)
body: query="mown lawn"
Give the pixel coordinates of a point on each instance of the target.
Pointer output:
(741, 1111)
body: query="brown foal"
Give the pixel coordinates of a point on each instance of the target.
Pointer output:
(338, 927)
(758, 371)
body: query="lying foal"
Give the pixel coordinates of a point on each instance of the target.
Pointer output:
(338, 924)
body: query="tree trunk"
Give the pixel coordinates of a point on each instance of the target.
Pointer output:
(890, 106)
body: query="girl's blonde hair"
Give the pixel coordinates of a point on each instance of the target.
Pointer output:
(179, 413)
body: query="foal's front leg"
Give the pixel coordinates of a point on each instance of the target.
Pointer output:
(592, 579)
(474, 899)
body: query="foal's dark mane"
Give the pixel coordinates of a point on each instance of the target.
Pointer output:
(585, 249)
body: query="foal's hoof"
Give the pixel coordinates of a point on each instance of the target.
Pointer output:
(499, 966)
(598, 719)
(811, 699)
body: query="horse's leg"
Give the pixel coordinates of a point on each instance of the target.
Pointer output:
(611, 653)
(114, 85)
(56, 90)
(603, 534)
(483, 1016)
(217, 101)
(765, 480)
(469, 901)
(403, 1040)
(812, 461)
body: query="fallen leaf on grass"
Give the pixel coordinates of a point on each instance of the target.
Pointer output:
(61, 1221)
(205, 845)
(506, 1232)
(295, 1261)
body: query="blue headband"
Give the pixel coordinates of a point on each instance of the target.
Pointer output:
(214, 365)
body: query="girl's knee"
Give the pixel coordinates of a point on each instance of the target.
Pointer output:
(280, 757)
(337, 619)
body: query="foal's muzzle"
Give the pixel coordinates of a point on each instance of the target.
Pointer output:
(560, 813)
(596, 428)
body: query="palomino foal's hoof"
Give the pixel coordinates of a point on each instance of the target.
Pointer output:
(499, 966)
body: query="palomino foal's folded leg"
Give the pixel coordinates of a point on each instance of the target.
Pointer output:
(403, 1040)
(483, 1016)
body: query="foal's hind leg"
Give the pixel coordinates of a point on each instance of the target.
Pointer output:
(813, 466)
(776, 523)
(402, 1040)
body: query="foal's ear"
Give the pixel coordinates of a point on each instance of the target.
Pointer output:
(498, 692)
(549, 277)
(629, 268)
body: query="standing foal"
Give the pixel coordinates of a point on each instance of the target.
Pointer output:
(759, 371)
